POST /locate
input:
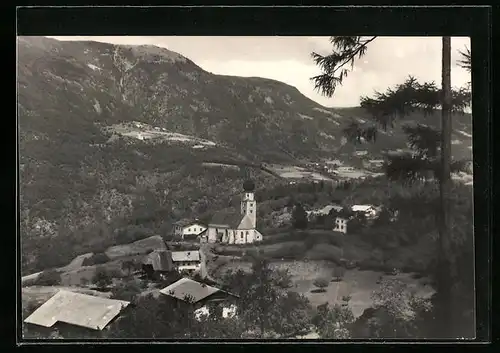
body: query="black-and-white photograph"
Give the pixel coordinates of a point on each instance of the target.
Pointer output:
(274, 187)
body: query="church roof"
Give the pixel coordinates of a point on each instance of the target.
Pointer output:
(246, 223)
(230, 219)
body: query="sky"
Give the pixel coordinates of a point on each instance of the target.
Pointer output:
(388, 61)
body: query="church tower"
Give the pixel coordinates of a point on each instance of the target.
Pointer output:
(248, 203)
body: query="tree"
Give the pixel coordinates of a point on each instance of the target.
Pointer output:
(399, 102)
(265, 307)
(338, 274)
(129, 266)
(321, 283)
(396, 313)
(333, 322)
(126, 291)
(101, 277)
(299, 217)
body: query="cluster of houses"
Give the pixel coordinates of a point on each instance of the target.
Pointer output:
(226, 227)
(370, 212)
(96, 313)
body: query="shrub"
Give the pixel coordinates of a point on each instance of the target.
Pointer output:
(96, 259)
(49, 278)
(321, 282)
(338, 274)
(102, 277)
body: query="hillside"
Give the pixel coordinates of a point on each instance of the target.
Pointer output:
(112, 141)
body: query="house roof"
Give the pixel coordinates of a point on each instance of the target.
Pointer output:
(77, 309)
(188, 222)
(161, 260)
(226, 218)
(186, 286)
(362, 208)
(327, 209)
(193, 255)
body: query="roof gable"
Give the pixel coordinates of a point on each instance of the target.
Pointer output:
(246, 223)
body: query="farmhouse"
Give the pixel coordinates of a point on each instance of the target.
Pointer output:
(201, 296)
(86, 311)
(234, 227)
(369, 211)
(188, 229)
(188, 261)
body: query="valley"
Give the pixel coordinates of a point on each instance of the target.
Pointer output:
(119, 143)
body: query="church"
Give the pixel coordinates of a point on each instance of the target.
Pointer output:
(236, 227)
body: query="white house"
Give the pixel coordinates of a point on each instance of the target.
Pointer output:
(227, 311)
(186, 260)
(369, 211)
(188, 228)
(361, 153)
(237, 227)
(345, 169)
(340, 225)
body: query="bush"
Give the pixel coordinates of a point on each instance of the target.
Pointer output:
(96, 259)
(102, 277)
(321, 282)
(49, 278)
(318, 290)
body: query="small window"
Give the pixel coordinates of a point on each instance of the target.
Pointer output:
(246, 232)
(251, 211)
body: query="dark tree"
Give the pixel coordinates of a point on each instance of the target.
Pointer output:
(299, 217)
(101, 278)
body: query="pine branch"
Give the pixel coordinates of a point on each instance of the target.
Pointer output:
(345, 51)
(466, 60)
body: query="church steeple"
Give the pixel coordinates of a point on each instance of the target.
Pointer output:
(248, 203)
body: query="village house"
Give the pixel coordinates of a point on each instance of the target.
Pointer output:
(341, 225)
(76, 309)
(361, 153)
(236, 227)
(201, 296)
(345, 169)
(323, 211)
(369, 211)
(188, 229)
(188, 261)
